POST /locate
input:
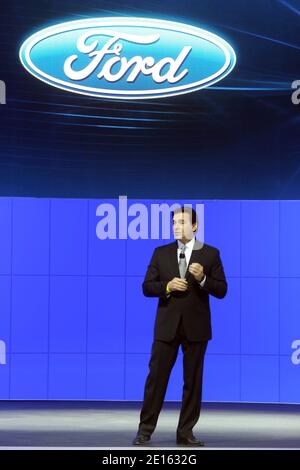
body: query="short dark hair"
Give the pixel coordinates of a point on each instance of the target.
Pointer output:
(189, 210)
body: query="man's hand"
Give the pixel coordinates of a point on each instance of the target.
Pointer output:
(197, 270)
(177, 284)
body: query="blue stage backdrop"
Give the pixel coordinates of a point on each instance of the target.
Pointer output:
(74, 323)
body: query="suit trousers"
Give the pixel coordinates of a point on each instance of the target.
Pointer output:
(163, 358)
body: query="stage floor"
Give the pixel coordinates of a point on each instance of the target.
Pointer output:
(72, 424)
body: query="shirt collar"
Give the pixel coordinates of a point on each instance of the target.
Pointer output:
(189, 245)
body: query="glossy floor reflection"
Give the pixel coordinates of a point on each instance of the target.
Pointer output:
(114, 425)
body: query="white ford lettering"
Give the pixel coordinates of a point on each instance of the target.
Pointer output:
(137, 64)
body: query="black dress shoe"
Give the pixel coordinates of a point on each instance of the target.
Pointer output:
(189, 441)
(140, 440)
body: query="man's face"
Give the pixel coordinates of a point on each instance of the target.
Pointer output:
(182, 226)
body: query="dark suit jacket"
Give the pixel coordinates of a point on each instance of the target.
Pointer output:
(193, 304)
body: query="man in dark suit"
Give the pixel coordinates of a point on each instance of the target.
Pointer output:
(181, 274)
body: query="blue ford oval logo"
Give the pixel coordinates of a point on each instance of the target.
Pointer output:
(125, 58)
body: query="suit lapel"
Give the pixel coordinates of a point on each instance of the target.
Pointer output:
(174, 260)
